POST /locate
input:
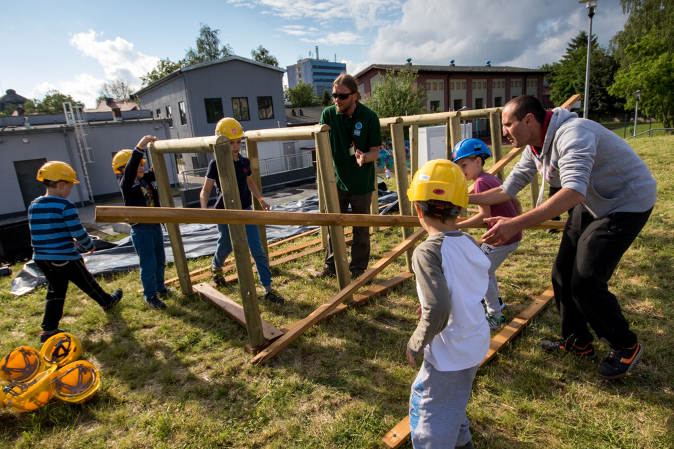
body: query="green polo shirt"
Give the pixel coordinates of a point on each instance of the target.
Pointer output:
(362, 128)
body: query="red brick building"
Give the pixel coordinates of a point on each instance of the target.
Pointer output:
(452, 87)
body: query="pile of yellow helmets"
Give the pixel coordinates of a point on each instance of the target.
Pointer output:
(32, 378)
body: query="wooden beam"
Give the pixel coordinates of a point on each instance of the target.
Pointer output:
(386, 121)
(414, 149)
(397, 436)
(572, 100)
(496, 140)
(400, 162)
(434, 118)
(234, 310)
(189, 145)
(478, 113)
(336, 300)
(455, 134)
(251, 149)
(278, 134)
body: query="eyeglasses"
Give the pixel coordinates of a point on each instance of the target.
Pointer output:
(342, 96)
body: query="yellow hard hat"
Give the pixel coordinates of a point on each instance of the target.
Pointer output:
(2, 399)
(76, 382)
(230, 128)
(61, 349)
(29, 396)
(21, 365)
(57, 171)
(120, 160)
(439, 179)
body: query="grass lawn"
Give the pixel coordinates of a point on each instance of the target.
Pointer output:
(180, 378)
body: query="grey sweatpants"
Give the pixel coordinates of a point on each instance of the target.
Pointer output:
(496, 255)
(438, 402)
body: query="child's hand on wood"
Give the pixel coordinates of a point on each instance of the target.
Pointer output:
(411, 359)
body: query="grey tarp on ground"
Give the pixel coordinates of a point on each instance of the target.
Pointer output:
(198, 239)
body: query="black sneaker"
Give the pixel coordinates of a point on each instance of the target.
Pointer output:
(166, 292)
(584, 352)
(155, 303)
(326, 273)
(501, 303)
(116, 297)
(273, 296)
(468, 445)
(45, 335)
(619, 362)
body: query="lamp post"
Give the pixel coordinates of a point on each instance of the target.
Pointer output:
(637, 95)
(591, 9)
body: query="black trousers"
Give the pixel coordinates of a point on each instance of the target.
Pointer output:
(588, 254)
(360, 248)
(59, 273)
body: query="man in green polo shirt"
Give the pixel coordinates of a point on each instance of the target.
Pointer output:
(355, 138)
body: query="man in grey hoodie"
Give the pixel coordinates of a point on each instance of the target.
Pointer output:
(609, 193)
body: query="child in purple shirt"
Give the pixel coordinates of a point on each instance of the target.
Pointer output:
(470, 154)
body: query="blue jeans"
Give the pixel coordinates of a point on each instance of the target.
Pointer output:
(224, 249)
(148, 241)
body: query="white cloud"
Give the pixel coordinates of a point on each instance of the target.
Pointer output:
(339, 38)
(354, 67)
(84, 88)
(238, 3)
(526, 33)
(118, 57)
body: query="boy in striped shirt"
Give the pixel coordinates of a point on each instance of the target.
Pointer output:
(54, 228)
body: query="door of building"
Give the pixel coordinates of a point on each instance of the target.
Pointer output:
(26, 171)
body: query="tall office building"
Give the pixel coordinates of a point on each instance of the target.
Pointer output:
(318, 72)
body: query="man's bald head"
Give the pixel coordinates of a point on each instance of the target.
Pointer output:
(520, 106)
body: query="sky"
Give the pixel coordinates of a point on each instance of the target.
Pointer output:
(75, 46)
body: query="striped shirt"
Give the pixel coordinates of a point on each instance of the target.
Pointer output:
(54, 224)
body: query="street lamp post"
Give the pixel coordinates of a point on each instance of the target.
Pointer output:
(591, 9)
(637, 95)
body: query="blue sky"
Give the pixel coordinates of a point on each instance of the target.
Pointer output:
(75, 46)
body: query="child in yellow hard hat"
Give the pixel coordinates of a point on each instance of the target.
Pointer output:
(54, 228)
(452, 334)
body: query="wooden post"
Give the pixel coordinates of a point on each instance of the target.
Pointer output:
(414, 149)
(173, 229)
(454, 134)
(329, 187)
(374, 204)
(237, 233)
(251, 148)
(398, 138)
(496, 147)
(321, 204)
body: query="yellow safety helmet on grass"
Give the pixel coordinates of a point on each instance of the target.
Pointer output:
(21, 365)
(230, 128)
(61, 349)
(120, 160)
(57, 171)
(439, 179)
(29, 396)
(76, 382)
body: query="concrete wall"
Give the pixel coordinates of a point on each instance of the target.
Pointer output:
(51, 119)
(59, 144)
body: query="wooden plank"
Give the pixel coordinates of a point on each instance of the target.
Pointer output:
(496, 140)
(251, 149)
(386, 121)
(572, 99)
(414, 149)
(234, 310)
(337, 299)
(477, 113)
(189, 145)
(455, 135)
(400, 162)
(397, 436)
(278, 134)
(434, 118)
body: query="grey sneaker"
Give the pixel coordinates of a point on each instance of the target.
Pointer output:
(273, 296)
(166, 292)
(116, 297)
(586, 351)
(494, 323)
(326, 273)
(155, 303)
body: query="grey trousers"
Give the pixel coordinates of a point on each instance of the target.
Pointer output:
(438, 402)
(360, 248)
(496, 255)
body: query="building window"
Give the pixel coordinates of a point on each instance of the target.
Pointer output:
(240, 107)
(169, 116)
(463, 85)
(435, 86)
(213, 110)
(158, 113)
(435, 106)
(458, 104)
(440, 85)
(478, 103)
(473, 84)
(265, 109)
(498, 102)
(183, 115)
(428, 86)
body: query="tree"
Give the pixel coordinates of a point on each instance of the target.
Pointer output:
(261, 54)
(644, 15)
(208, 47)
(52, 103)
(652, 72)
(302, 96)
(397, 95)
(326, 100)
(117, 88)
(567, 76)
(163, 68)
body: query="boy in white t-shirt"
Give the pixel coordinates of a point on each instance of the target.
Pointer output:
(452, 278)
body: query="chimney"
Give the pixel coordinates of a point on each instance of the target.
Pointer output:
(301, 113)
(117, 114)
(25, 123)
(293, 112)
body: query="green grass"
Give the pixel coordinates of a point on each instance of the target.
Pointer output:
(180, 378)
